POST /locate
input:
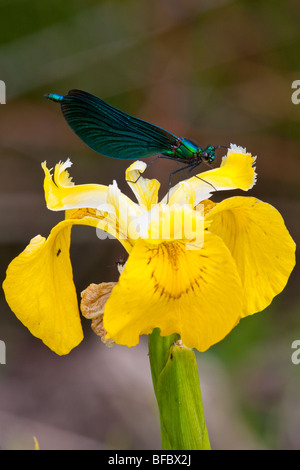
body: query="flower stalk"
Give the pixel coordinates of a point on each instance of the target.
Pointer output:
(177, 389)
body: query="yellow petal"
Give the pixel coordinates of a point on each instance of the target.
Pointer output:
(126, 213)
(236, 172)
(145, 190)
(36, 443)
(116, 213)
(175, 222)
(62, 194)
(264, 251)
(40, 291)
(103, 222)
(197, 294)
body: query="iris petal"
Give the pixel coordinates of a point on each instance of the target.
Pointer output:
(145, 190)
(62, 194)
(260, 244)
(39, 289)
(236, 172)
(196, 293)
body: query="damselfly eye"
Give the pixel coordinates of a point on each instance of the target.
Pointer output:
(206, 157)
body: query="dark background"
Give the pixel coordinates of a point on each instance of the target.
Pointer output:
(216, 72)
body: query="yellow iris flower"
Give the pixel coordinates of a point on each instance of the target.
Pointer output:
(195, 267)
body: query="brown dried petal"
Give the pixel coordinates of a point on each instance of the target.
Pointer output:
(93, 300)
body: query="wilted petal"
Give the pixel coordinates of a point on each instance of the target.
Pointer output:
(93, 300)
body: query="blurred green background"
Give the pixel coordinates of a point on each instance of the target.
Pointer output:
(216, 72)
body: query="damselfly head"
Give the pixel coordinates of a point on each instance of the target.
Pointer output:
(208, 154)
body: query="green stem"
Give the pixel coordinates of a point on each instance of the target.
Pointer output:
(177, 389)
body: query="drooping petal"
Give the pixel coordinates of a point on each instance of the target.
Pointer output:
(145, 190)
(197, 294)
(236, 172)
(40, 291)
(259, 241)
